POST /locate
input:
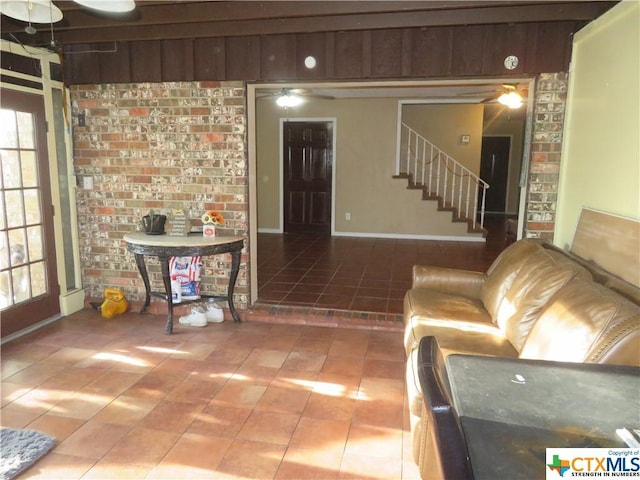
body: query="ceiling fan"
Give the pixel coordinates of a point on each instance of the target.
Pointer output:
(290, 97)
(508, 94)
(46, 12)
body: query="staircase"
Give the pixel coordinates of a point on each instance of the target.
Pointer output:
(442, 179)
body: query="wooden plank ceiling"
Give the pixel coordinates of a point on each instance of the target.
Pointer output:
(163, 20)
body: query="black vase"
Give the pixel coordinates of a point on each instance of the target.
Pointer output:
(154, 225)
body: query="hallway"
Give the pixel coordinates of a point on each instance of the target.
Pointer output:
(359, 274)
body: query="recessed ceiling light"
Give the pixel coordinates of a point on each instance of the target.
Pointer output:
(310, 62)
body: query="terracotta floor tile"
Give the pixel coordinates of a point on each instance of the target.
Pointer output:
(55, 466)
(193, 390)
(217, 420)
(266, 358)
(153, 385)
(306, 361)
(320, 434)
(374, 441)
(16, 416)
(284, 399)
(193, 455)
(92, 440)
(72, 378)
(112, 383)
(357, 467)
(34, 375)
(347, 366)
(12, 391)
(251, 460)
(127, 410)
(58, 427)
(240, 393)
(329, 407)
(301, 463)
(171, 416)
(379, 412)
(68, 356)
(374, 367)
(269, 427)
(144, 447)
(11, 366)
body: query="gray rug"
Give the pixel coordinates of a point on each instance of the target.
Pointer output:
(19, 449)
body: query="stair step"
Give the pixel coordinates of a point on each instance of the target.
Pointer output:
(442, 206)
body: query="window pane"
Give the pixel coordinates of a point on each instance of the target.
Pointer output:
(21, 283)
(8, 132)
(17, 247)
(6, 292)
(10, 169)
(2, 225)
(32, 206)
(29, 169)
(38, 279)
(25, 129)
(15, 215)
(35, 243)
(4, 251)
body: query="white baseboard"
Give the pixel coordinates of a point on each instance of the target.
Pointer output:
(406, 236)
(269, 230)
(72, 302)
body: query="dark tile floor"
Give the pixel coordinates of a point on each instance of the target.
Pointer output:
(359, 274)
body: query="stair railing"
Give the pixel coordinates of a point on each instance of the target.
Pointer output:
(441, 176)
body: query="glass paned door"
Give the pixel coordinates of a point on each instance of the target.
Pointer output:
(28, 281)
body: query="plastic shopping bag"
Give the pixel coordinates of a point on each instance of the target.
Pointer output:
(186, 271)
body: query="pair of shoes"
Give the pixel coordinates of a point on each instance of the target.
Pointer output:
(214, 313)
(196, 318)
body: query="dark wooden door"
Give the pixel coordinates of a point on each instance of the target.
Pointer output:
(28, 278)
(494, 169)
(308, 170)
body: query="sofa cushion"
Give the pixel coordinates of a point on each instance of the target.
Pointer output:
(586, 322)
(503, 271)
(543, 274)
(425, 309)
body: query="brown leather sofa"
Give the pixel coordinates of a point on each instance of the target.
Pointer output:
(535, 302)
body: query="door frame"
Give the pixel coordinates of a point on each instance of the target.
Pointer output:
(71, 296)
(333, 121)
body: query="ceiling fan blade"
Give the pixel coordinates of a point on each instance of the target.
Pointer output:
(491, 98)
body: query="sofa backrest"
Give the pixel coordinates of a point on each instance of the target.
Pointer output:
(543, 274)
(586, 322)
(503, 272)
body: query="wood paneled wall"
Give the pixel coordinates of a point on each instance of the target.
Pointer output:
(434, 52)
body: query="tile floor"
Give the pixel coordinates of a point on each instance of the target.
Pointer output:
(274, 397)
(227, 401)
(359, 274)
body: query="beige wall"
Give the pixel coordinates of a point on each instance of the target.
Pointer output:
(600, 165)
(364, 164)
(502, 122)
(444, 124)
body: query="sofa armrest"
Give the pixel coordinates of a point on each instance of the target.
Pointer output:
(448, 280)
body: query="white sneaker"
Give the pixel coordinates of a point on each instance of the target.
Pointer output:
(196, 318)
(214, 313)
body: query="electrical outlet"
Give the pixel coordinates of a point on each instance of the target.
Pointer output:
(347, 216)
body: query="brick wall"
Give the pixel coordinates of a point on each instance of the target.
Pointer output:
(157, 146)
(546, 145)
